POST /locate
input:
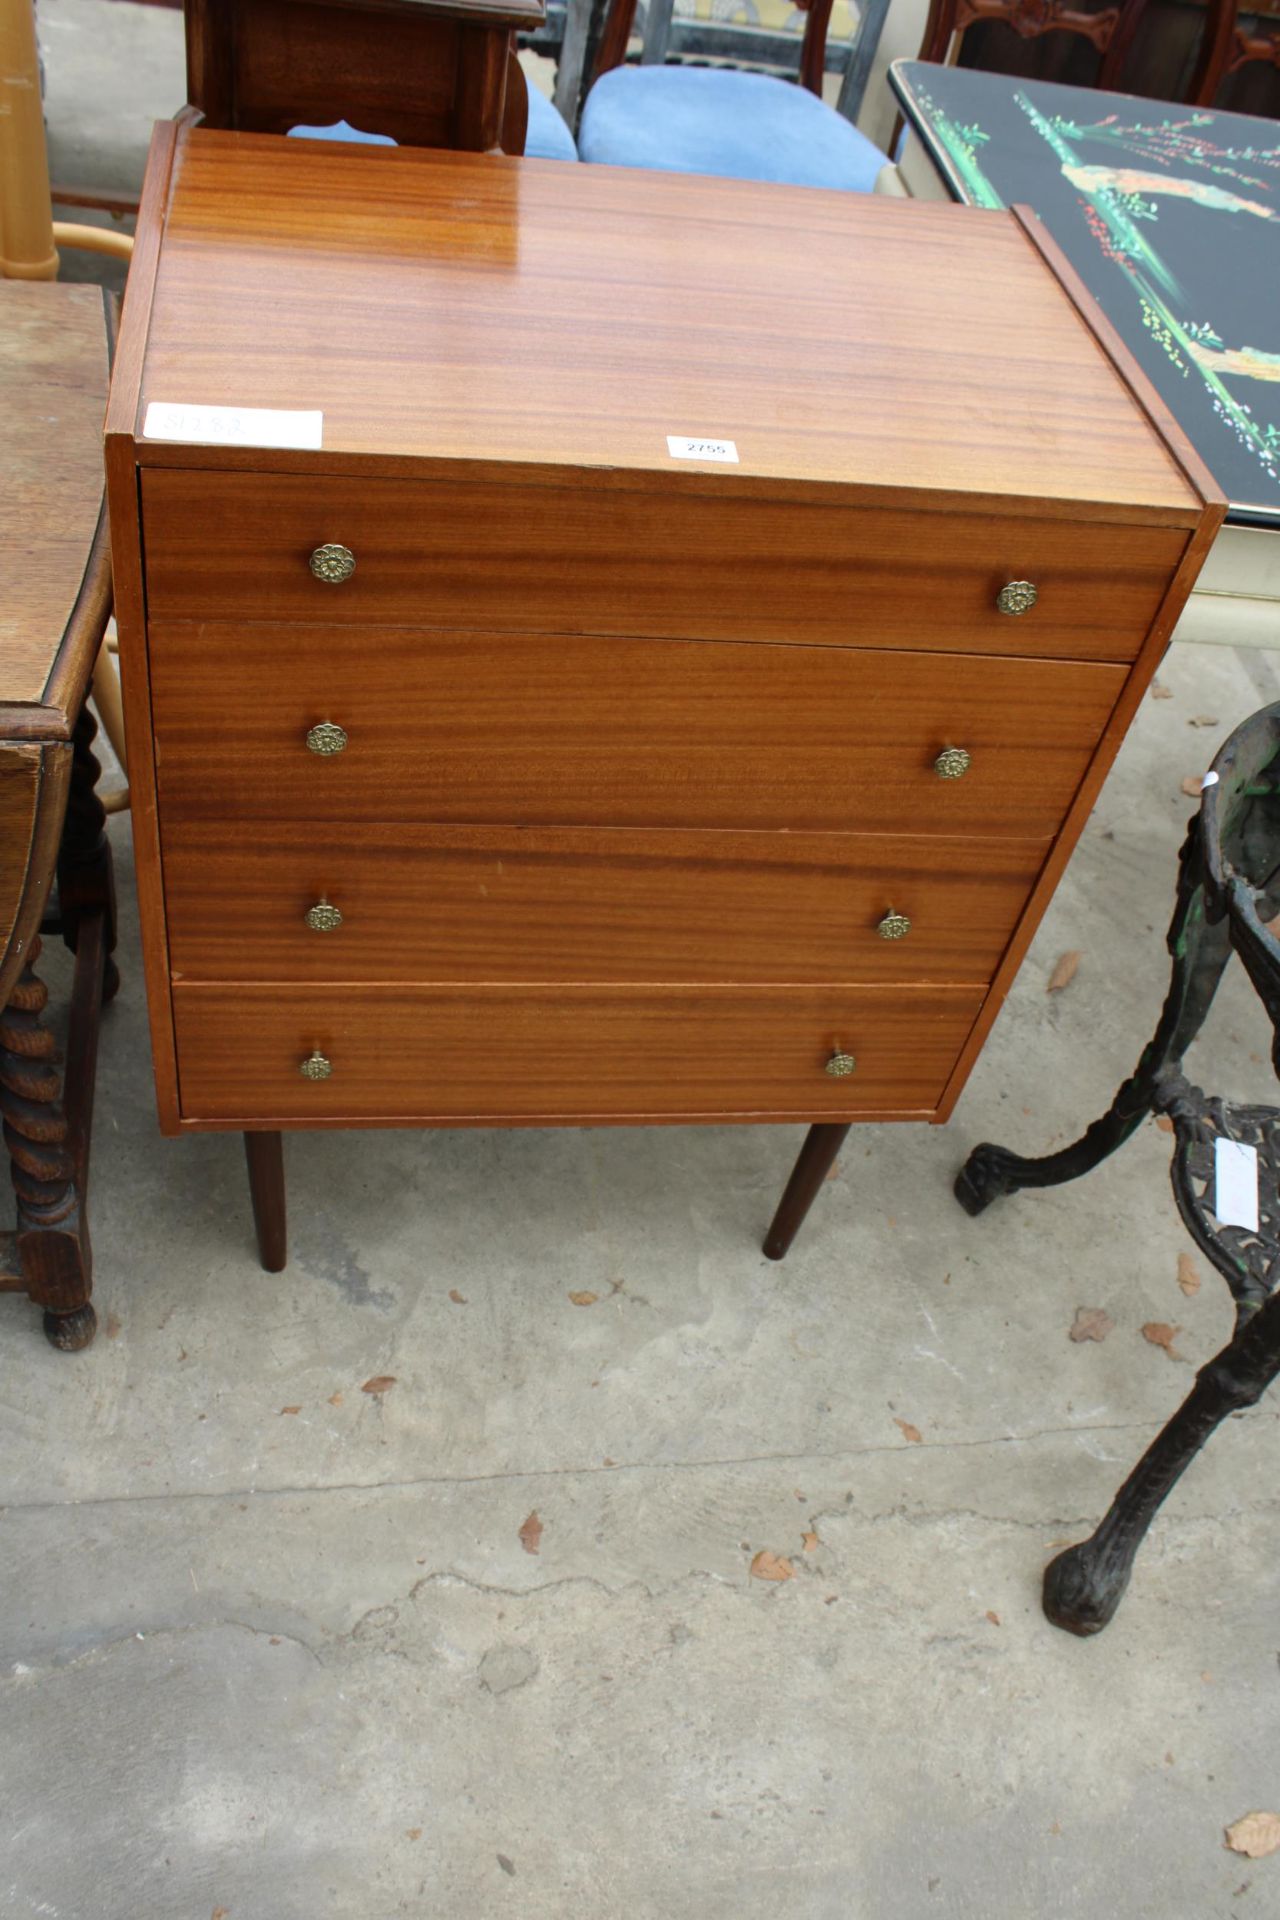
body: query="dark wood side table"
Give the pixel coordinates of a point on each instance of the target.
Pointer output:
(55, 562)
(430, 73)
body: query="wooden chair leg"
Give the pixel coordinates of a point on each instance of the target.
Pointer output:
(265, 1155)
(817, 1156)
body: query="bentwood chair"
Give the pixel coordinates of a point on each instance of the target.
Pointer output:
(1228, 898)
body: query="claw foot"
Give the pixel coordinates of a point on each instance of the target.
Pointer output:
(1083, 1588)
(987, 1175)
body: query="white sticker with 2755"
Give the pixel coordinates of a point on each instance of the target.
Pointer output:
(682, 449)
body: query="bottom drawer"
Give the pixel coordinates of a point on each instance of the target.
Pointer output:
(407, 1055)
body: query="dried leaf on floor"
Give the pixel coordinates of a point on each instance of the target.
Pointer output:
(1090, 1323)
(380, 1383)
(413, 1833)
(1164, 1123)
(810, 1542)
(1188, 1275)
(531, 1533)
(291, 1409)
(1192, 784)
(1160, 692)
(220, 1913)
(908, 1431)
(335, 1399)
(1161, 1334)
(993, 1617)
(768, 1565)
(458, 1299)
(1065, 971)
(832, 1170)
(1204, 720)
(584, 1298)
(1256, 1835)
(112, 1327)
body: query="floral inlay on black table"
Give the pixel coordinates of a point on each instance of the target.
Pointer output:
(1171, 216)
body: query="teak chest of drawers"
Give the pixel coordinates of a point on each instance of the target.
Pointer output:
(503, 751)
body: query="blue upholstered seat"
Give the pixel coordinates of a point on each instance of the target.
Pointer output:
(548, 137)
(745, 126)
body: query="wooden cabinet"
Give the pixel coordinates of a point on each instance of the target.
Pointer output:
(498, 758)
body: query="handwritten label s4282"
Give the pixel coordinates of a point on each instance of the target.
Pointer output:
(233, 426)
(681, 448)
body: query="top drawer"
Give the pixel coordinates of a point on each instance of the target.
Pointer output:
(557, 559)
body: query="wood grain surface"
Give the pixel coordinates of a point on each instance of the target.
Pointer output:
(557, 559)
(53, 384)
(501, 312)
(530, 1054)
(435, 904)
(1090, 787)
(567, 731)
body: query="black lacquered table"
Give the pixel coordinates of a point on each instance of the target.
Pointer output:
(1171, 217)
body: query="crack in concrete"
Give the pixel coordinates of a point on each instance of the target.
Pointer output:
(37, 1669)
(518, 1475)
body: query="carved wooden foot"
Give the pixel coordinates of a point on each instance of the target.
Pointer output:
(265, 1155)
(817, 1156)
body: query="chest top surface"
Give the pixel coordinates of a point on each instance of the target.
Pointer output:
(53, 384)
(536, 320)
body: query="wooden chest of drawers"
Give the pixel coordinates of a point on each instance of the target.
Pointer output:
(606, 646)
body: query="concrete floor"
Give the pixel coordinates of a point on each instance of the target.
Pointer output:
(271, 1646)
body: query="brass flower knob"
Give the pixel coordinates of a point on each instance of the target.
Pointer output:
(316, 1067)
(333, 564)
(951, 763)
(840, 1064)
(894, 926)
(327, 737)
(323, 918)
(1018, 597)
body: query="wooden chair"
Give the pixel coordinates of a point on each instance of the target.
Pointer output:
(423, 73)
(1110, 29)
(1228, 47)
(720, 120)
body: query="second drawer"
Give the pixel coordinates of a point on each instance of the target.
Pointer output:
(459, 904)
(558, 730)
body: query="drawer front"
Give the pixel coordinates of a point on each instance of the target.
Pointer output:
(535, 559)
(437, 904)
(550, 1053)
(486, 729)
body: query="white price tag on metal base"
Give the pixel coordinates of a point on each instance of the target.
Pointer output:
(1235, 1184)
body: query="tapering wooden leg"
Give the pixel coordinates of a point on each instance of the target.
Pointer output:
(265, 1155)
(817, 1156)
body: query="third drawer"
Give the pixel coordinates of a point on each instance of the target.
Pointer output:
(420, 903)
